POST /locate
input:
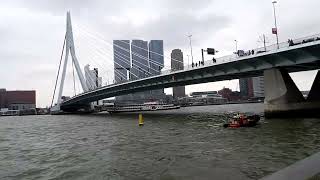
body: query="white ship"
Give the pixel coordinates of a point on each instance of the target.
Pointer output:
(151, 106)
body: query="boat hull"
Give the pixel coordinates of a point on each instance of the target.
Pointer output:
(141, 108)
(250, 121)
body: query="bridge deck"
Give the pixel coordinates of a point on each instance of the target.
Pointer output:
(300, 57)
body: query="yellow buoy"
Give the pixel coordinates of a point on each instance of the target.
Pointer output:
(141, 121)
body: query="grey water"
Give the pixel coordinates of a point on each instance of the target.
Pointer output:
(187, 143)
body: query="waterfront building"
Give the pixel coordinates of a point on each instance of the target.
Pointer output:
(156, 60)
(156, 63)
(139, 56)
(140, 67)
(122, 62)
(93, 80)
(258, 86)
(246, 87)
(135, 60)
(252, 87)
(177, 64)
(229, 94)
(17, 100)
(203, 98)
(205, 94)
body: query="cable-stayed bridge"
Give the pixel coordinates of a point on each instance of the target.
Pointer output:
(281, 93)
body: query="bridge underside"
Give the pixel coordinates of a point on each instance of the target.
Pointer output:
(303, 58)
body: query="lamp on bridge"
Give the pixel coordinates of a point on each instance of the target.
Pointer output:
(275, 29)
(210, 51)
(236, 45)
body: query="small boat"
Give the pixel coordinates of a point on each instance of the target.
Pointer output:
(241, 120)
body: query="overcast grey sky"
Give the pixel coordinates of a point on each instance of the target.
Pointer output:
(32, 33)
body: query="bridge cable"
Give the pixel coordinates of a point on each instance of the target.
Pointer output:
(110, 44)
(140, 67)
(135, 54)
(128, 64)
(137, 61)
(101, 52)
(95, 62)
(74, 83)
(102, 39)
(55, 86)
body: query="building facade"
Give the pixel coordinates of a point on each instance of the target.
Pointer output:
(156, 63)
(177, 64)
(17, 100)
(252, 87)
(135, 60)
(258, 86)
(139, 57)
(229, 94)
(246, 87)
(202, 98)
(122, 63)
(93, 80)
(156, 60)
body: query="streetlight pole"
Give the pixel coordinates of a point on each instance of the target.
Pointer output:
(188, 60)
(275, 21)
(191, 48)
(236, 45)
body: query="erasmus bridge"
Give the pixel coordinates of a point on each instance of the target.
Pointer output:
(274, 62)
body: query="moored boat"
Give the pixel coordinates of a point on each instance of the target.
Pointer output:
(141, 107)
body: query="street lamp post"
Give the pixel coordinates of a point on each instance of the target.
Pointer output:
(236, 45)
(188, 60)
(191, 49)
(275, 22)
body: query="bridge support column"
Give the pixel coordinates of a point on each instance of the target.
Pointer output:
(283, 98)
(314, 94)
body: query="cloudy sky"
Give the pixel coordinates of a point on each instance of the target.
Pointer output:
(32, 34)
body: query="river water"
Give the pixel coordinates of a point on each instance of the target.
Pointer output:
(187, 143)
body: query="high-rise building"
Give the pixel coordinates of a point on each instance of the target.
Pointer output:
(139, 56)
(156, 60)
(246, 87)
(92, 77)
(136, 60)
(156, 63)
(258, 86)
(140, 67)
(122, 63)
(252, 87)
(176, 60)
(177, 64)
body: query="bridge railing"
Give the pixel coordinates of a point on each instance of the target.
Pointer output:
(234, 57)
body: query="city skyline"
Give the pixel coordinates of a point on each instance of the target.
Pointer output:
(23, 43)
(136, 59)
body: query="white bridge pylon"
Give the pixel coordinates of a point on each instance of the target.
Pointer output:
(69, 46)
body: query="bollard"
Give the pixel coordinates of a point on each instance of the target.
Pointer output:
(141, 121)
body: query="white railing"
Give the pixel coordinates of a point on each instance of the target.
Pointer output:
(234, 57)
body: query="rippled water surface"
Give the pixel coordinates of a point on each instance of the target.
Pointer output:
(188, 143)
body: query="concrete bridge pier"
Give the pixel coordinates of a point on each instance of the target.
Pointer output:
(314, 94)
(284, 99)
